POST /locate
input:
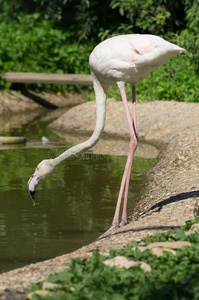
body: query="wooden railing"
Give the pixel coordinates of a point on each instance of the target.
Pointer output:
(23, 77)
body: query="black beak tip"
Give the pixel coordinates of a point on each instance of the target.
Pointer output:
(32, 195)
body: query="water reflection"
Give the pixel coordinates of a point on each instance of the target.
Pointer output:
(74, 206)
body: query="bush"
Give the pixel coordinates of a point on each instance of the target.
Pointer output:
(30, 45)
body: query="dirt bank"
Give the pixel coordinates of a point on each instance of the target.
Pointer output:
(172, 191)
(19, 108)
(23, 101)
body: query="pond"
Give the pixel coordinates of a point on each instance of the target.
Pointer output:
(73, 207)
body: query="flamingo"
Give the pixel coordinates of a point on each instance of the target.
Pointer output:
(115, 61)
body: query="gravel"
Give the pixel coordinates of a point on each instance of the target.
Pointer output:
(171, 195)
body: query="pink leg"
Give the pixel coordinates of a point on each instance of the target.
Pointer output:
(134, 110)
(132, 148)
(127, 171)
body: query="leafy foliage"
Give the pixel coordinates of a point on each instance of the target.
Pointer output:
(30, 45)
(172, 276)
(192, 16)
(157, 17)
(58, 36)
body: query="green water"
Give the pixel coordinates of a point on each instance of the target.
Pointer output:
(74, 206)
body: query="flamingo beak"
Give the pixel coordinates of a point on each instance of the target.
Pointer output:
(33, 182)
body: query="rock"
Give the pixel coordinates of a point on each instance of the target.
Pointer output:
(49, 285)
(194, 228)
(171, 245)
(146, 267)
(159, 251)
(123, 262)
(159, 247)
(41, 293)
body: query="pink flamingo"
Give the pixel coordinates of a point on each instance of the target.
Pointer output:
(118, 60)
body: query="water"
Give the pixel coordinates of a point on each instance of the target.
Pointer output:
(73, 206)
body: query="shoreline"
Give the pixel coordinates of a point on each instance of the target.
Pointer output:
(172, 189)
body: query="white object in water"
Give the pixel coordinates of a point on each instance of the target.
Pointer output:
(44, 140)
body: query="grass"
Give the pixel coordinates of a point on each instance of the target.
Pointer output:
(172, 276)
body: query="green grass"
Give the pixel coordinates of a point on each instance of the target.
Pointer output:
(172, 276)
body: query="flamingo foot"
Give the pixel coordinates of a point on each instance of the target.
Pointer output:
(123, 223)
(113, 227)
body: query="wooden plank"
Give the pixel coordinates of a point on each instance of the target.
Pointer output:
(23, 77)
(12, 139)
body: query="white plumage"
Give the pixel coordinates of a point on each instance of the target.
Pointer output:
(129, 58)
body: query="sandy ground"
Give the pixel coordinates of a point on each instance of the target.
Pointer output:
(172, 191)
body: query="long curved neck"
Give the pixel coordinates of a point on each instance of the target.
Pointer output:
(100, 94)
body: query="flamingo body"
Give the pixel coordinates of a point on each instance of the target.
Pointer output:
(129, 58)
(118, 60)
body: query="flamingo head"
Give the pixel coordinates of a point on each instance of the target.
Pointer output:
(44, 169)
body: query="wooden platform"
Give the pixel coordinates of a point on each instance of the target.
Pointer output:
(23, 77)
(12, 139)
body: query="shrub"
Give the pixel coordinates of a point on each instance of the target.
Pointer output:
(30, 45)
